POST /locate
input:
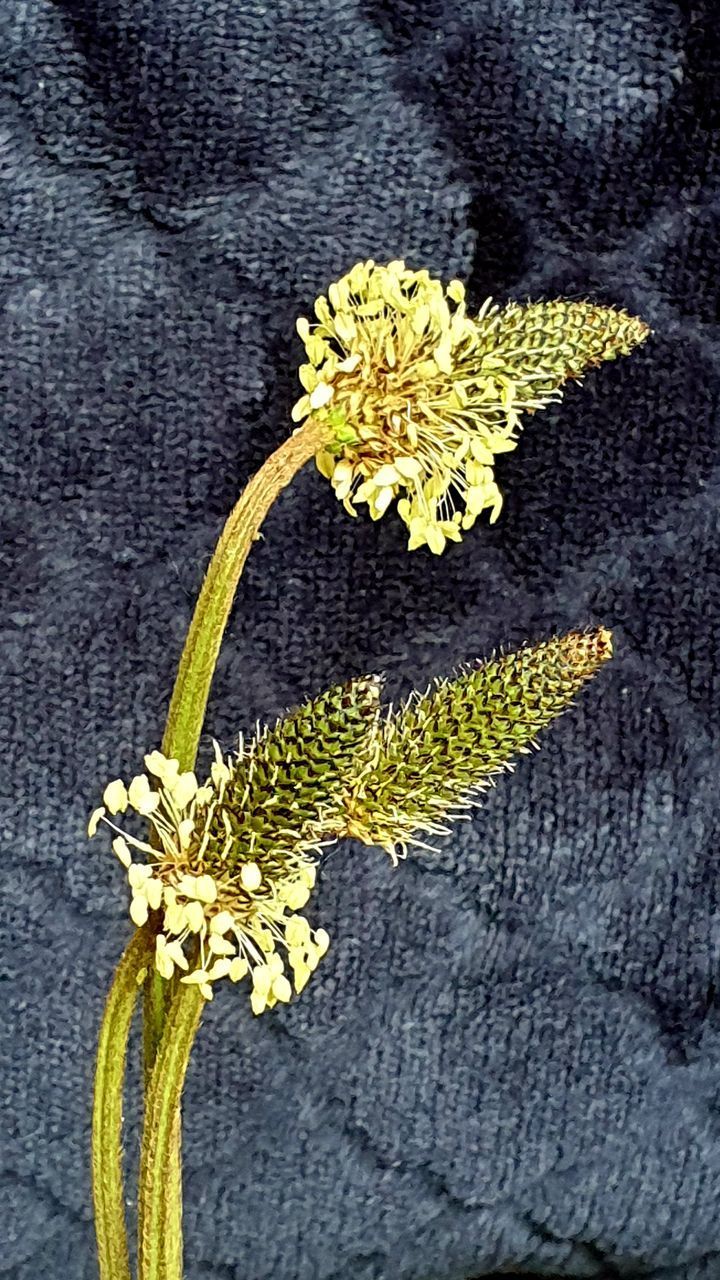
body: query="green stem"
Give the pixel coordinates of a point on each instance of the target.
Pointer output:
(107, 1171)
(172, 1268)
(159, 1202)
(182, 735)
(154, 1010)
(202, 646)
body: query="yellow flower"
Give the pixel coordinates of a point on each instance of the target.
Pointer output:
(419, 397)
(233, 861)
(240, 919)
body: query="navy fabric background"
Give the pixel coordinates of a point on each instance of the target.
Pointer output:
(510, 1058)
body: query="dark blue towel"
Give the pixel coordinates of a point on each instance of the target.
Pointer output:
(510, 1058)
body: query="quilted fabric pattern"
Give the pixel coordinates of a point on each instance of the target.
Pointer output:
(510, 1058)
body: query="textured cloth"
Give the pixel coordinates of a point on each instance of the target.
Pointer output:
(510, 1057)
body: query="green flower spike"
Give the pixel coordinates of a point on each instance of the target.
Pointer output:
(438, 751)
(236, 858)
(542, 345)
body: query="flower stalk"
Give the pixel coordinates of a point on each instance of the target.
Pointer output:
(182, 734)
(107, 1176)
(202, 646)
(160, 1209)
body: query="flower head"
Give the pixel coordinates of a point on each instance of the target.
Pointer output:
(419, 396)
(233, 861)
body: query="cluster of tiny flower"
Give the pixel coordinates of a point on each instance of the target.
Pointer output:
(239, 917)
(416, 407)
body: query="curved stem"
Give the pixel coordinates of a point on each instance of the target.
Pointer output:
(182, 735)
(107, 1171)
(157, 1254)
(157, 996)
(202, 646)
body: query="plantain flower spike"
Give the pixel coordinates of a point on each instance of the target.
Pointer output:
(435, 755)
(419, 396)
(233, 861)
(235, 858)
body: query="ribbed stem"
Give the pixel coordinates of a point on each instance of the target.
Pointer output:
(107, 1170)
(157, 995)
(182, 735)
(202, 646)
(154, 1010)
(160, 1190)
